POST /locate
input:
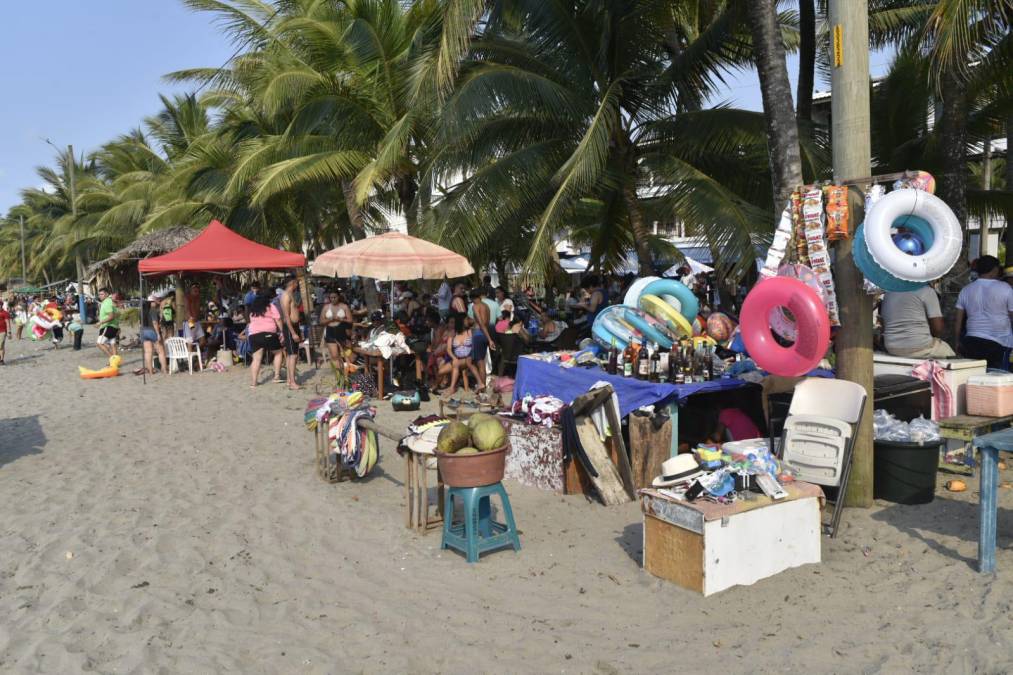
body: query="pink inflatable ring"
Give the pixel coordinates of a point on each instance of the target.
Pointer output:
(810, 318)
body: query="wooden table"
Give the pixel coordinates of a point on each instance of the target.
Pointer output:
(374, 361)
(989, 445)
(965, 428)
(708, 547)
(420, 458)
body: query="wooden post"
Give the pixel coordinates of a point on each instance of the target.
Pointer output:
(307, 303)
(849, 31)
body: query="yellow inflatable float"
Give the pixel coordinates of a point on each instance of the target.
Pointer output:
(112, 370)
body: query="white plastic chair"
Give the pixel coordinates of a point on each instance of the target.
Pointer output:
(179, 348)
(819, 434)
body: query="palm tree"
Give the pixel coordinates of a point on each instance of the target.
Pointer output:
(546, 126)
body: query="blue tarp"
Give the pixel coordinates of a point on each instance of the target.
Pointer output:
(539, 378)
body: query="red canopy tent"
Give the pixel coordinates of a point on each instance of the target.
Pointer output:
(219, 249)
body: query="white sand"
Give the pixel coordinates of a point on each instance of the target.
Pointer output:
(179, 527)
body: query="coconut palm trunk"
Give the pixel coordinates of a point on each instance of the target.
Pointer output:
(806, 59)
(1009, 186)
(639, 228)
(782, 128)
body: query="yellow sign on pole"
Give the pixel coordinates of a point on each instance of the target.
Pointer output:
(838, 46)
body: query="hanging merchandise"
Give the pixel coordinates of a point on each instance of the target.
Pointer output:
(872, 195)
(684, 301)
(664, 312)
(801, 253)
(780, 322)
(650, 328)
(916, 216)
(876, 276)
(812, 321)
(816, 247)
(837, 212)
(779, 247)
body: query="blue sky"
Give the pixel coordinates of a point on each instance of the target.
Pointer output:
(85, 71)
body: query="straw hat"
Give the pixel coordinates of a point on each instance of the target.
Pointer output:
(679, 469)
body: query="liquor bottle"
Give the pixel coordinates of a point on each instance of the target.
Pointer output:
(687, 365)
(644, 364)
(663, 366)
(678, 374)
(629, 360)
(613, 359)
(708, 363)
(656, 365)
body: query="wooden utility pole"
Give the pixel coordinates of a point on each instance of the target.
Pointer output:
(81, 308)
(849, 61)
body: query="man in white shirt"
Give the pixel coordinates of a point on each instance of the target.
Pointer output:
(443, 298)
(913, 325)
(988, 306)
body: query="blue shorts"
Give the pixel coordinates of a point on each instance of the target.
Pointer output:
(479, 346)
(148, 335)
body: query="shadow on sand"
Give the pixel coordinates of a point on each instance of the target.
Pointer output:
(946, 518)
(21, 436)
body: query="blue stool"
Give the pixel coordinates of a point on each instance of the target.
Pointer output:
(478, 532)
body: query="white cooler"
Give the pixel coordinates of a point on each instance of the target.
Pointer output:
(957, 372)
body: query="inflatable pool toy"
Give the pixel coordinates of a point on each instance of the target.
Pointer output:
(926, 216)
(872, 271)
(652, 329)
(662, 311)
(812, 320)
(42, 323)
(780, 322)
(611, 324)
(605, 339)
(636, 289)
(909, 242)
(720, 326)
(688, 304)
(112, 370)
(701, 340)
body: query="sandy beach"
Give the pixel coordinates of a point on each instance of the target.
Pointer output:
(178, 526)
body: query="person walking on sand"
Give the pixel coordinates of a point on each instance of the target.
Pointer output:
(290, 329)
(151, 337)
(336, 318)
(987, 303)
(5, 328)
(262, 331)
(108, 322)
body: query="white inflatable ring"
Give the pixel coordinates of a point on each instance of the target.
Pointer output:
(900, 205)
(632, 298)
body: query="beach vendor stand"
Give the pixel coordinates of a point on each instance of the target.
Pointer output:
(217, 249)
(390, 257)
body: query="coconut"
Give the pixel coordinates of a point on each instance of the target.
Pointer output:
(489, 435)
(477, 419)
(453, 437)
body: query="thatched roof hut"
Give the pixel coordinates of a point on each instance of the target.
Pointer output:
(120, 269)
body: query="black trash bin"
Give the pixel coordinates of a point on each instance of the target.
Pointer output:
(903, 396)
(905, 472)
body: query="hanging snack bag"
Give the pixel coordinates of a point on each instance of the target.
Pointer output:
(837, 212)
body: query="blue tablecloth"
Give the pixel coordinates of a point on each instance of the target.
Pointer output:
(539, 378)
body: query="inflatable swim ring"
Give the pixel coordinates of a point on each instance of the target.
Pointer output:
(921, 213)
(810, 316)
(112, 370)
(780, 322)
(636, 289)
(651, 328)
(688, 304)
(664, 312)
(872, 271)
(610, 323)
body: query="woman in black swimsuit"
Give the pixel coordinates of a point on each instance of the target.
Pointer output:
(336, 318)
